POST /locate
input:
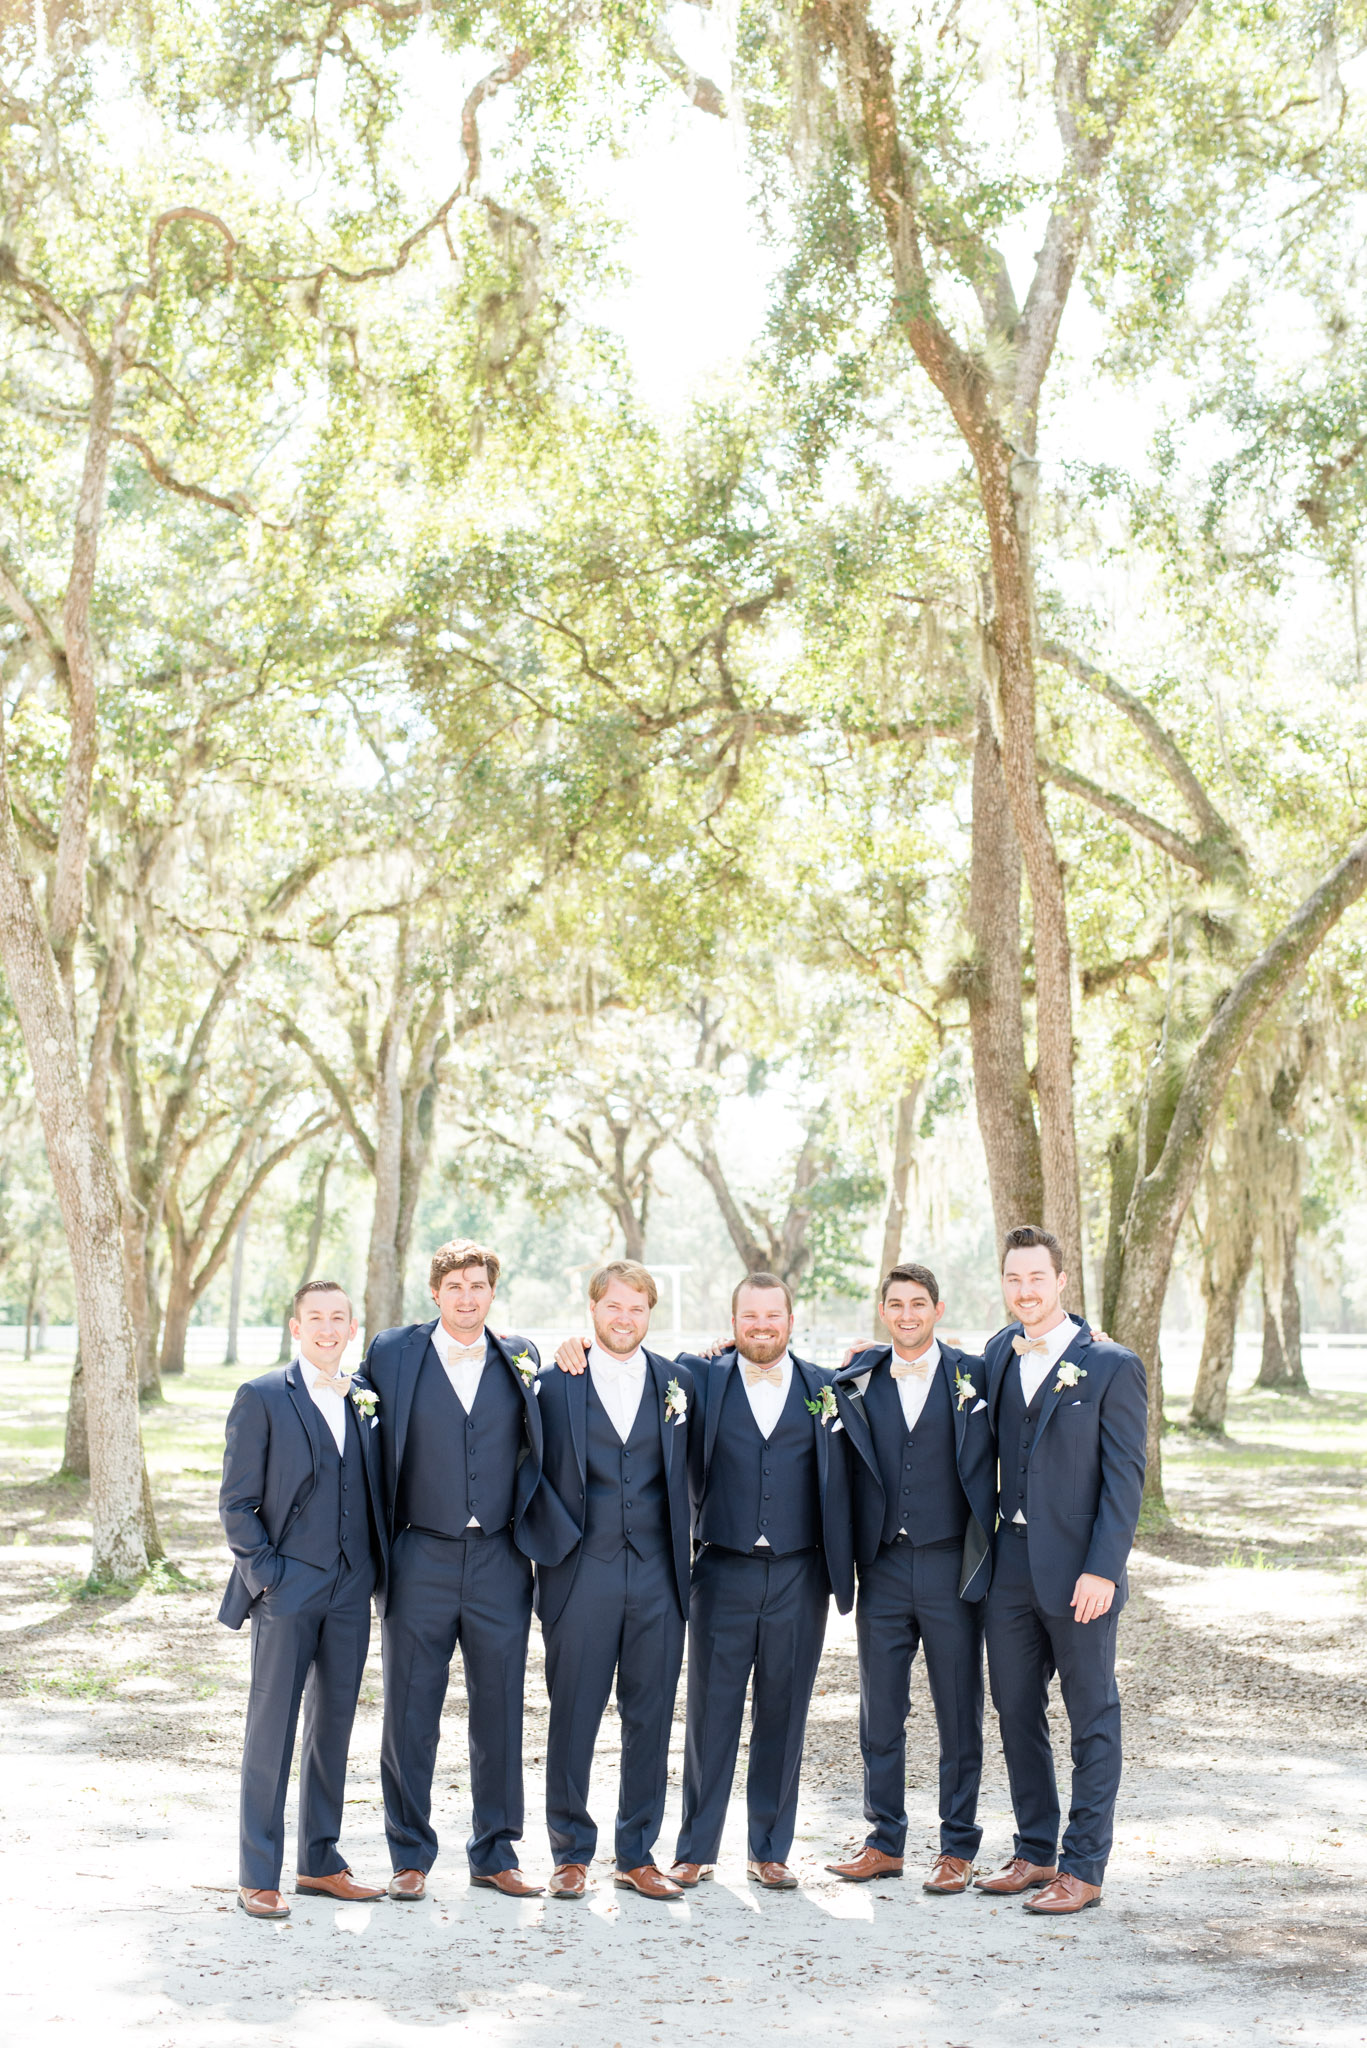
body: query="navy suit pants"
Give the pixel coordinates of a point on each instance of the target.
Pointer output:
(475, 1591)
(1025, 1646)
(621, 1618)
(310, 1635)
(909, 1599)
(765, 1615)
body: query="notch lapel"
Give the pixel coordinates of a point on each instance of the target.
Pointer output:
(410, 1365)
(577, 1407)
(307, 1412)
(719, 1371)
(950, 1363)
(1073, 1353)
(809, 1387)
(657, 1369)
(994, 1391)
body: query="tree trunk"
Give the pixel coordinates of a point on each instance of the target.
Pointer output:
(175, 1327)
(235, 1288)
(137, 1286)
(899, 1177)
(384, 1274)
(317, 1224)
(1001, 1081)
(76, 1448)
(1282, 1368)
(1222, 1284)
(30, 1297)
(42, 1323)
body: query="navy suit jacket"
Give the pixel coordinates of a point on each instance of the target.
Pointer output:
(1086, 1468)
(564, 1425)
(711, 1376)
(392, 1365)
(975, 1455)
(270, 1468)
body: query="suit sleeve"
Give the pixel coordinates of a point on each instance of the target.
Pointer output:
(1124, 1436)
(242, 1491)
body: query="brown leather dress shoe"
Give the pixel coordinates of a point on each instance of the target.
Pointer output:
(649, 1882)
(1016, 1876)
(569, 1881)
(511, 1883)
(775, 1877)
(340, 1885)
(262, 1905)
(686, 1875)
(408, 1884)
(869, 1863)
(948, 1874)
(1067, 1894)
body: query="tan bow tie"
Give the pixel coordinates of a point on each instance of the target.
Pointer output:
(341, 1385)
(763, 1375)
(459, 1354)
(1020, 1345)
(911, 1368)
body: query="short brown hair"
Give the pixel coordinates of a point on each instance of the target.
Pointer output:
(1028, 1237)
(915, 1276)
(630, 1273)
(761, 1280)
(318, 1287)
(456, 1255)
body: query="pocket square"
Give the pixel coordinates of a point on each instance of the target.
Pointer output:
(374, 1422)
(977, 1407)
(1075, 1404)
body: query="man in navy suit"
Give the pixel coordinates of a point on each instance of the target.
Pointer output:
(461, 1463)
(1070, 1414)
(772, 1521)
(614, 1601)
(923, 1477)
(302, 1509)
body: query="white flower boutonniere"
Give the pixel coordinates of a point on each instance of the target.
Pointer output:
(824, 1407)
(524, 1368)
(367, 1401)
(676, 1402)
(1068, 1376)
(965, 1389)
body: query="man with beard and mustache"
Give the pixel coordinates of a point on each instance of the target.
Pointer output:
(772, 1524)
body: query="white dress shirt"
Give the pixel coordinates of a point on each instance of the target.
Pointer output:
(332, 1407)
(1036, 1366)
(463, 1373)
(913, 1391)
(619, 1384)
(766, 1400)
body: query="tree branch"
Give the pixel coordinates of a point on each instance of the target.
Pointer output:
(1128, 814)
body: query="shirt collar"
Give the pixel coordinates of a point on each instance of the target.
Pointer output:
(932, 1357)
(606, 1362)
(445, 1343)
(1058, 1339)
(312, 1375)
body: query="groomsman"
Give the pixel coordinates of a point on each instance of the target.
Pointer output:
(614, 1602)
(772, 1519)
(1069, 1413)
(462, 1461)
(923, 1477)
(302, 1511)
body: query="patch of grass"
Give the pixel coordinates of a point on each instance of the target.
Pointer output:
(75, 1685)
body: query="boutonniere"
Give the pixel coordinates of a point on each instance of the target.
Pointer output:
(965, 1389)
(366, 1399)
(824, 1407)
(1068, 1376)
(676, 1402)
(524, 1368)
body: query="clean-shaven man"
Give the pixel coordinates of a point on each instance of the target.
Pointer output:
(614, 1603)
(1069, 1413)
(772, 1520)
(923, 1478)
(462, 1460)
(301, 1506)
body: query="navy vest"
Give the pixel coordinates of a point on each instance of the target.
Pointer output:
(338, 1510)
(457, 1465)
(919, 1468)
(627, 1496)
(762, 1487)
(1016, 1426)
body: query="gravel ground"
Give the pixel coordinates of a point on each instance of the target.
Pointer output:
(1234, 1903)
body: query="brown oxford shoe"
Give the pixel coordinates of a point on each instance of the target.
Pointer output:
(1067, 1894)
(340, 1885)
(649, 1881)
(511, 1883)
(262, 1905)
(408, 1884)
(686, 1875)
(569, 1881)
(948, 1874)
(775, 1877)
(1017, 1876)
(869, 1863)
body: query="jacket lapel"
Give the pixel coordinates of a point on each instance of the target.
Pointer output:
(657, 1371)
(719, 1370)
(527, 1388)
(809, 1388)
(410, 1365)
(1074, 1352)
(1008, 1359)
(308, 1413)
(577, 1406)
(950, 1363)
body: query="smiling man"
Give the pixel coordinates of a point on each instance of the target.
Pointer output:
(922, 1473)
(1069, 1412)
(302, 1509)
(462, 1461)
